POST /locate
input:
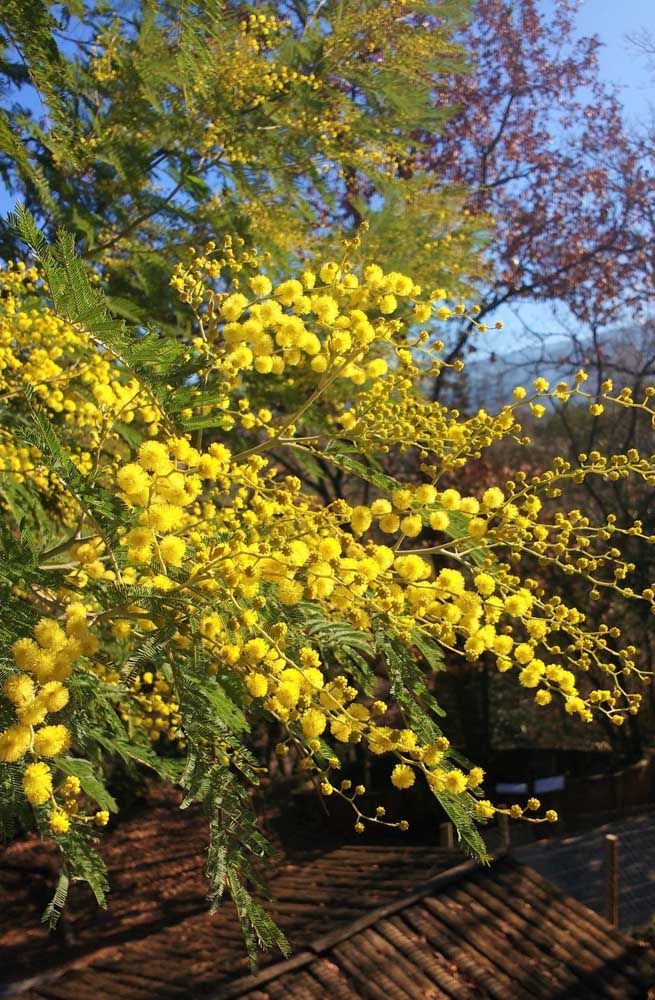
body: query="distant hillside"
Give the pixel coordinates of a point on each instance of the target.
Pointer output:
(627, 353)
(490, 380)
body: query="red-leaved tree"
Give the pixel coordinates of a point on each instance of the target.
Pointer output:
(541, 143)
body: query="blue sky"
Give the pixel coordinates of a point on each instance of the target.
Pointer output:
(619, 64)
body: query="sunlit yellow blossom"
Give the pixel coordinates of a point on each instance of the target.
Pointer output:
(51, 740)
(403, 776)
(14, 743)
(37, 783)
(59, 822)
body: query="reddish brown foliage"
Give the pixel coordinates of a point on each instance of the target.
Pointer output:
(541, 142)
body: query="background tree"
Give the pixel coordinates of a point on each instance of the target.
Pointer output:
(147, 127)
(623, 355)
(540, 142)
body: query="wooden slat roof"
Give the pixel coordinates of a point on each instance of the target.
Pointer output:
(366, 923)
(501, 933)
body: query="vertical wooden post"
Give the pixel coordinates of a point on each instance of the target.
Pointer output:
(503, 830)
(612, 879)
(446, 835)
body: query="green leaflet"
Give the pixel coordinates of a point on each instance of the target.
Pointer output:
(132, 751)
(148, 653)
(31, 28)
(25, 507)
(219, 702)
(18, 557)
(340, 645)
(15, 812)
(420, 707)
(259, 930)
(52, 912)
(100, 732)
(83, 863)
(408, 687)
(18, 567)
(11, 145)
(103, 507)
(207, 709)
(461, 810)
(236, 850)
(89, 781)
(151, 358)
(430, 649)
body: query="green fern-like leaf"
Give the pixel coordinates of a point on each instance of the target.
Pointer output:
(89, 780)
(53, 910)
(150, 358)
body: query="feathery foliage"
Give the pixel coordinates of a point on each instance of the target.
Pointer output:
(145, 128)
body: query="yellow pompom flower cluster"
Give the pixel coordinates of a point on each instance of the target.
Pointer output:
(36, 691)
(471, 613)
(81, 389)
(491, 611)
(222, 574)
(37, 783)
(39, 690)
(153, 708)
